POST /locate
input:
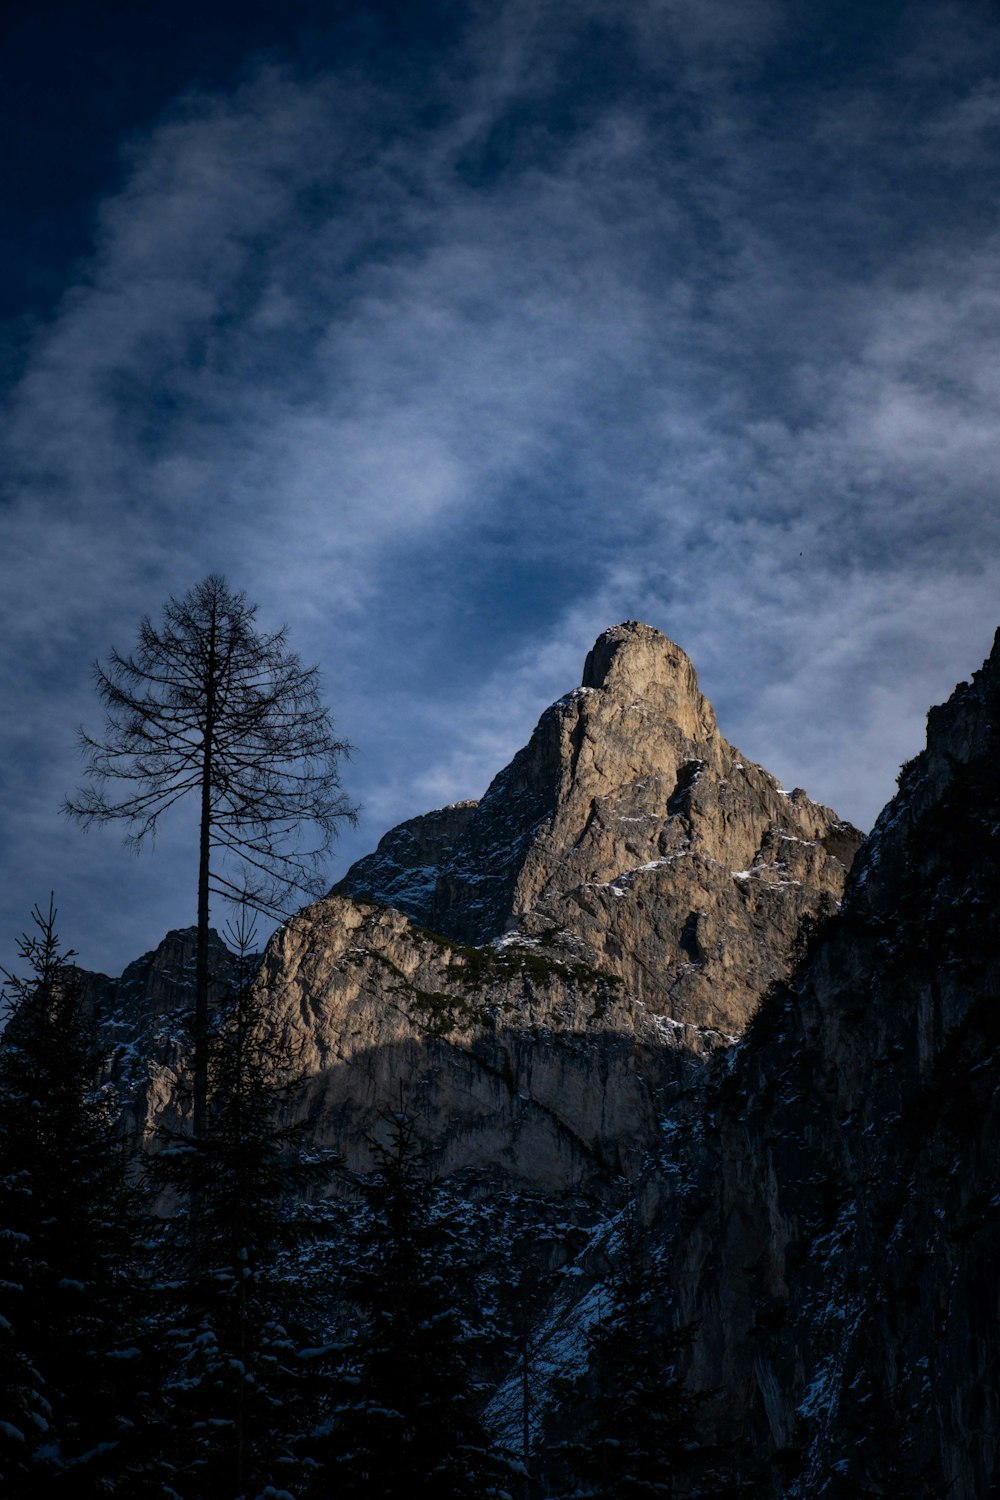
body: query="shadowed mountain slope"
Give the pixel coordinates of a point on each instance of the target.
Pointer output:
(540, 971)
(828, 1197)
(563, 990)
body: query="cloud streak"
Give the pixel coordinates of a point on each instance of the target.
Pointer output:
(610, 320)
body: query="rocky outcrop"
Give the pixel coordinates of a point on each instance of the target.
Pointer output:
(598, 971)
(404, 870)
(144, 1015)
(829, 1196)
(540, 971)
(874, 1196)
(630, 836)
(526, 1068)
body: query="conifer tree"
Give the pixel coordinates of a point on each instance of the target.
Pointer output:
(74, 1352)
(406, 1426)
(239, 1389)
(632, 1423)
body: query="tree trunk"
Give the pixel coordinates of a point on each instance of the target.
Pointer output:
(201, 977)
(526, 1412)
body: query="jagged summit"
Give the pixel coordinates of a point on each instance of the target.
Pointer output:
(542, 968)
(630, 835)
(607, 915)
(822, 1199)
(633, 658)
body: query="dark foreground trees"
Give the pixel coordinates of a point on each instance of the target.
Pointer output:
(406, 1426)
(77, 1386)
(209, 706)
(207, 1374)
(631, 1425)
(239, 1388)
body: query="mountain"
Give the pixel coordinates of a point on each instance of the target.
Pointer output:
(639, 957)
(630, 836)
(828, 1201)
(539, 970)
(857, 1144)
(144, 1017)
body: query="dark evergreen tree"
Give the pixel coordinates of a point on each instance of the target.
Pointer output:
(407, 1424)
(628, 1427)
(240, 1389)
(883, 1460)
(76, 1405)
(524, 1354)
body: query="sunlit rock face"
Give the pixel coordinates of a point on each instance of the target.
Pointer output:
(558, 979)
(631, 836)
(829, 1195)
(538, 971)
(520, 1067)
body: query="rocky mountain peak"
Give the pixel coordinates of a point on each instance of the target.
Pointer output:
(633, 659)
(630, 836)
(546, 975)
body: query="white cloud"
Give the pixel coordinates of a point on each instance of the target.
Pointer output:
(451, 421)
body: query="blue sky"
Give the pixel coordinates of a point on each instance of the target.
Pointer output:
(453, 334)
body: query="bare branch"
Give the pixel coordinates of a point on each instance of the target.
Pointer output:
(208, 705)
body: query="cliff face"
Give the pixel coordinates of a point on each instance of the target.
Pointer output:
(404, 870)
(521, 1066)
(630, 836)
(143, 1015)
(833, 1207)
(560, 977)
(539, 970)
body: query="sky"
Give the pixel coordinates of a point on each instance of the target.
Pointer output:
(453, 333)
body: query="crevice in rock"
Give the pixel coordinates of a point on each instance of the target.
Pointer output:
(680, 798)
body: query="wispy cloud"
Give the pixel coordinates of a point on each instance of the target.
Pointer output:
(608, 320)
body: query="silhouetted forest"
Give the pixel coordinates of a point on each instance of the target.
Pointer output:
(234, 1315)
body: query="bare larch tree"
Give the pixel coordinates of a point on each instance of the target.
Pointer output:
(209, 705)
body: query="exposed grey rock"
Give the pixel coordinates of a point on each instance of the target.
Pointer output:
(161, 982)
(144, 1015)
(826, 1190)
(605, 918)
(829, 1196)
(524, 1067)
(630, 835)
(404, 870)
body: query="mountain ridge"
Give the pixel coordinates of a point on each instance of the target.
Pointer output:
(828, 1202)
(820, 1180)
(652, 883)
(624, 778)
